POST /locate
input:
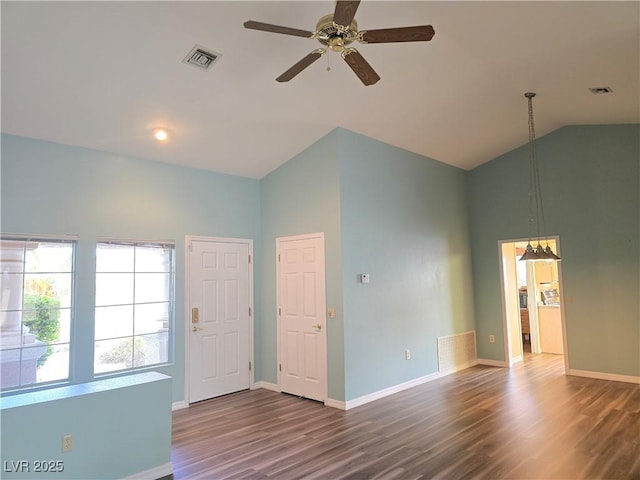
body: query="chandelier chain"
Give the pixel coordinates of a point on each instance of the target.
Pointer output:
(536, 208)
(535, 193)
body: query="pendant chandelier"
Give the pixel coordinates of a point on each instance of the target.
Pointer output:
(536, 210)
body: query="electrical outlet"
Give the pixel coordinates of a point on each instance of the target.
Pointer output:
(67, 443)
(407, 354)
(492, 339)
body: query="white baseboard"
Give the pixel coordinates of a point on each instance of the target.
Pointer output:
(179, 405)
(491, 363)
(604, 376)
(153, 473)
(267, 386)
(356, 402)
(339, 404)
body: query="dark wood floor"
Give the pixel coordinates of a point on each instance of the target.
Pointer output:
(527, 422)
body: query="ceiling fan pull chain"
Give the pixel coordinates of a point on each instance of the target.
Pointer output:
(328, 66)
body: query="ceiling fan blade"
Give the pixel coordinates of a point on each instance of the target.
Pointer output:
(267, 27)
(422, 33)
(301, 65)
(345, 12)
(360, 67)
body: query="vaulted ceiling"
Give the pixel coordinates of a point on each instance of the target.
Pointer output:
(103, 74)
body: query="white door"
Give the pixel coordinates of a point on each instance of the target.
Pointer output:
(219, 318)
(301, 316)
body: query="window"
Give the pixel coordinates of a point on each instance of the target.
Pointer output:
(134, 305)
(36, 310)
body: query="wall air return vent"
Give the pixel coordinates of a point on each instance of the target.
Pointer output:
(201, 58)
(457, 352)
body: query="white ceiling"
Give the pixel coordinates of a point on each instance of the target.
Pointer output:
(102, 74)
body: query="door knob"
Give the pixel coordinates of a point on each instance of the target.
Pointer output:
(318, 326)
(196, 329)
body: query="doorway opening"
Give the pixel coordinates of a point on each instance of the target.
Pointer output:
(532, 303)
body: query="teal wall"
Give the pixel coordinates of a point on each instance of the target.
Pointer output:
(120, 427)
(399, 217)
(427, 233)
(48, 188)
(303, 196)
(590, 184)
(404, 221)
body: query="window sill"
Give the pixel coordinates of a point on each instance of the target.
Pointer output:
(30, 398)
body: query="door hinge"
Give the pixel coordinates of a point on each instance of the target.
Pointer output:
(249, 366)
(280, 367)
(191, 246)
(279, 311)
(249, 311)
(278, 257)
(249, 258)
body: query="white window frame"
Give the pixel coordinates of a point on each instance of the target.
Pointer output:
(171, 309)
(71, 240)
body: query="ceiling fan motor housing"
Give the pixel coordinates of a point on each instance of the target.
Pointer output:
(331, 36)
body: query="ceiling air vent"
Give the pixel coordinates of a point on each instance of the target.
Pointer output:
(201, 58)
(600, 90)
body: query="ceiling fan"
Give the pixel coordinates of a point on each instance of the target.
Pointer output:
(336, 31)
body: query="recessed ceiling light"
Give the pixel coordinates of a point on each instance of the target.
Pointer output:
(161, 134)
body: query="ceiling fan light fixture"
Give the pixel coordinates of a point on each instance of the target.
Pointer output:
(336, 44)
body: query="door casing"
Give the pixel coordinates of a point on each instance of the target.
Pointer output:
(506, 290)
